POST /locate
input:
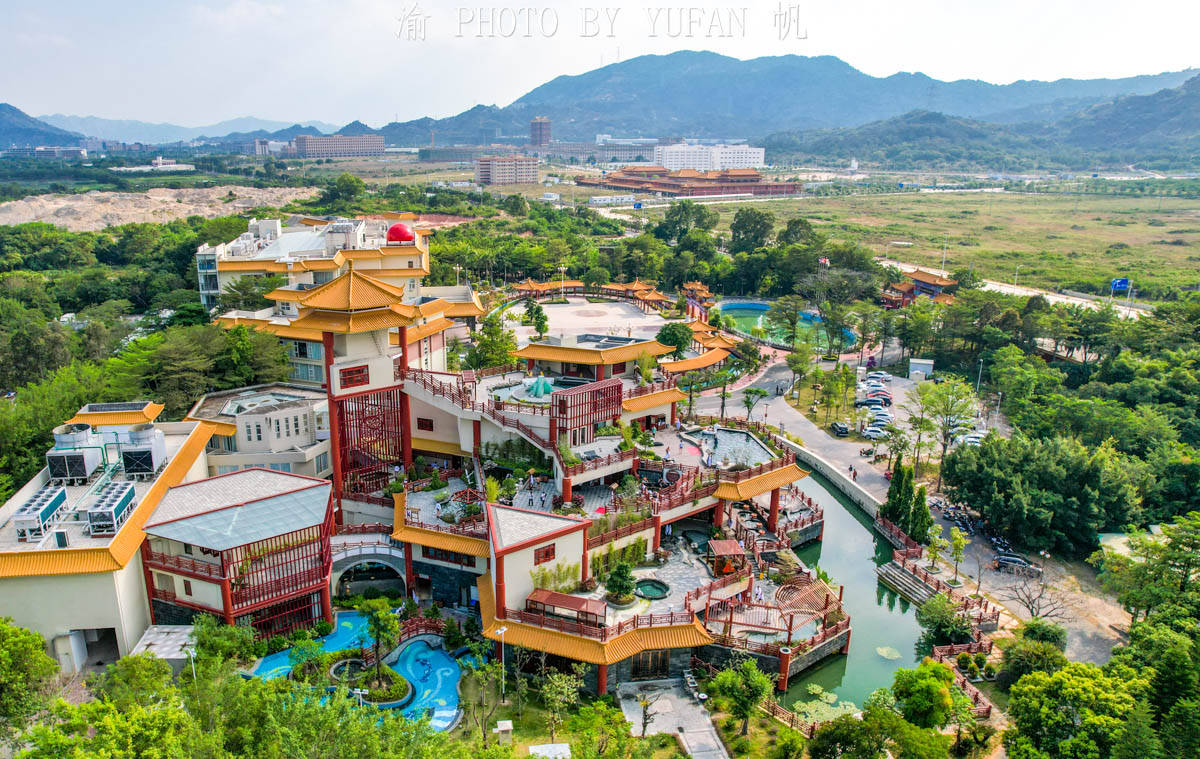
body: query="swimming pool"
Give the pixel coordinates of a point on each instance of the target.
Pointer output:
(351, 632)
(433, 675)
(747, 316)
(737, 446)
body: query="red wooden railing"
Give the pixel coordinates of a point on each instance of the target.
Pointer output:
(648, 389)
(279, 586)
(620, 532)
(754, 471)
(587, 466)
(362, 529)
(717, 584)
(167, 561)
(572, 627)
(471, 529)
(409, 628)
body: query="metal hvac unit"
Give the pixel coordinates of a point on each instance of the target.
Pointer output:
(31, 518)
(110, 509)
(144, 453)
(76, 454)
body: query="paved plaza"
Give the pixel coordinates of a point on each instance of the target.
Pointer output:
(578, 316)
(675, 713)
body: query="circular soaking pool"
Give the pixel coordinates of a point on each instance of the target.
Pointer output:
(652, 590)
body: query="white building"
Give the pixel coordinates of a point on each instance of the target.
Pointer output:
(708, 157)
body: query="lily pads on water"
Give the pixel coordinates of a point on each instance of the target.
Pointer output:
(888, 653)
(824, 706)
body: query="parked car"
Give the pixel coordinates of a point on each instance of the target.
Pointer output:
(882, 376)
(874, 433)
(1016, 565)
(870, 403)
(841, 429)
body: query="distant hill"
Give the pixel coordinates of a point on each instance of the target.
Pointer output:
(1162, 129)
(703, 94)
(19, 129)
(284, 134)
(143, 131)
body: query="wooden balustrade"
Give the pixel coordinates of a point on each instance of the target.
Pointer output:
(587, 466)
(572, 627)
(168, 561)
(620, 532)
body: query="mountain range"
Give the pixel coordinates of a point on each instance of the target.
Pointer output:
(19, 128)
(1159, 130)
(144, 131)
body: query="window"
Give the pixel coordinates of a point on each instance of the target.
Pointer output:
(543, 554)
(276, 428)
(187, 587)
(450, 557)
(285, 467)
(227, 469)
(258, 432)
(322, 462)
(308, 372)
(187, 549)
(248, 437)
(296, 424)
(618, 368)
(424, 424)
(355, 376)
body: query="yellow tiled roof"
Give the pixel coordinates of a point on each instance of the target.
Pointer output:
(219, 428)
(120, 551)
(463, 309)
(352, 291)
(428, 328)
(650, 400)
(592, 356)
(147, 413)
(351, 323)
(279, 330)
(444, 540)
(759, 484)
(582, 648)
(708, 358)
(438, 446)
(698, 325)
(715, 341)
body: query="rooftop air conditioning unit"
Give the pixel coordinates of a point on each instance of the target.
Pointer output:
(145, 452)
(111, 508)
(31, 518)
(76, 454)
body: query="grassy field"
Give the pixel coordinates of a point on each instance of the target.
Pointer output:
(1056, 240)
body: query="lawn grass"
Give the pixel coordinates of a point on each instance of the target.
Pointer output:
(994, 693)
(757, 744)
(1056, 240)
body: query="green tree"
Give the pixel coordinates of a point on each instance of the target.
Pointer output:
(1025, 656)
(1045, 631)
(494, 345)
(750, 398)
(786, 315)
(944, 621)
(1181, 729)
(847, 738)
(100, 729)
(384, 628)
(958, 548)
(920, 521)
(923, 694)
(750, 229)
(138, 679)
(949, 404)
(25, 674)
(745, 687)
(800, 364)
(601, 732)
(344, 190)
(1137, 739)
(936, 549)
(560, 695)
(676, 334)
(797, 231)
(620, 583)
(596, 276)
(248, 293)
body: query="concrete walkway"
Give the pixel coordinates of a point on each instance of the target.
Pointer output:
(676, 713)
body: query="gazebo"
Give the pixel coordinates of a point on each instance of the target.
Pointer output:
(585, 611)
(725, 557)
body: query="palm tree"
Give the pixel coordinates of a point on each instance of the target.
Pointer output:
(750, 398)
(724, 393)
(691, 379)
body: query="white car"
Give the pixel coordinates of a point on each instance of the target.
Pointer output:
(884, 417)
(881, 376)
(874, 433)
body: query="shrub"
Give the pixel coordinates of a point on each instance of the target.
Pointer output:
(980, 659)
(1045, 631)
(619, 582)
(964, 661)
(276, 643)
(973, 669)
(741, 746)
(396, 689)
(1027, 656)
(989, 670)
(453, 636)
(472, 629)
(371, 593)
(322, 628)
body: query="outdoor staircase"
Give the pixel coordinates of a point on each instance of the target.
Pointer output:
(904, 583)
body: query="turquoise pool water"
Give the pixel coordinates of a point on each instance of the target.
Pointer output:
(879, 617)
(351, 632)
(434, 676)
(747, 316)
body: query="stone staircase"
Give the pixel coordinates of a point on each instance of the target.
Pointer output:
(904, 583)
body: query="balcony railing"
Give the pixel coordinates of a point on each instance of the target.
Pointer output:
(597, 463)
(185, 564)
(609, 632)
(471, 529)
(621, 532)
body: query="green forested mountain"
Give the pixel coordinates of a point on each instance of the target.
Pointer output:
(18, 128)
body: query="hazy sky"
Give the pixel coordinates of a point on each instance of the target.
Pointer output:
(196, 62)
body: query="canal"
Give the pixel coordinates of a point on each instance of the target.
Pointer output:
(879, 617)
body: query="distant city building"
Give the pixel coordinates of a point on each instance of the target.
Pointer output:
(46, 152)
(611, 200)
(158, 165)
(590, 152)
(539, 131)
(338, 145)
(708, 157)
(513, 169)
(689, 182)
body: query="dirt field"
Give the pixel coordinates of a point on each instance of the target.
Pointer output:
(97, 210)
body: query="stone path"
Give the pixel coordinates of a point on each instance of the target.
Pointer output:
(675, 713)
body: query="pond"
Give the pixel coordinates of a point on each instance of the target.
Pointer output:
(433, 675)
(736, 446)
(351, 631)
(747, 316)
(880, 618)
(653, 590)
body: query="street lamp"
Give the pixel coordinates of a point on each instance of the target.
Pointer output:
(979, 377)
(501, 632)
(359, 693)
(457, 269)
(562, 280)
(1015, 273)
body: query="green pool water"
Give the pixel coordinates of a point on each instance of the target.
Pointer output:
(849, 553)
(749, 318)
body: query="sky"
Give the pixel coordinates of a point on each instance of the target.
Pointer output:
(197, 62)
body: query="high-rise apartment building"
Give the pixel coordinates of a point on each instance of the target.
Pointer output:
(338, 145)
(539, 131)
(708, 157)
(514, 169)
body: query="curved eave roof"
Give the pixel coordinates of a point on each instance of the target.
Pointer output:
(651, 400)
(759, 484)
(706, 359)
(592, 356)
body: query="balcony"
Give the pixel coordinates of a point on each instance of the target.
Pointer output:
(169, 563)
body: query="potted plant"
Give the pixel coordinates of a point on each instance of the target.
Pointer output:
(619, 585)
(980, 659)
(963, 661)
(989, 671)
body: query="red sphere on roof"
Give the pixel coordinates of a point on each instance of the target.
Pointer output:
(400, 233)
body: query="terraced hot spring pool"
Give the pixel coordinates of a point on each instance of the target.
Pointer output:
(652, 590)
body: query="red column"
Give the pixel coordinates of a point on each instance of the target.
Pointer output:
(672, 413)
(657, 531)
(553, 431)
(719, 513)
(410, 577)
(405, 433)
(326, 606)
(846, 648)
(227, 601)
(404, 347)
(583, 572)
(566, 490)
(501, 599)
(477, 429)
(785, 661)
(633, 469)
(529, 364)
(601, 679)
(145, 549)
(773, 518)
(335, 438)
(600, 372)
